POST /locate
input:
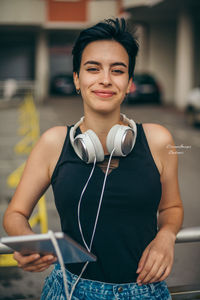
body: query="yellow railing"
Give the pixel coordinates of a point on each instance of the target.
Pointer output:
(30, 130)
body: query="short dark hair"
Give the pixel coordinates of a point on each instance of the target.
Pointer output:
(110, 29)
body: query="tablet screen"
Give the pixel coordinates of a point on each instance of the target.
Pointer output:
(72, 252)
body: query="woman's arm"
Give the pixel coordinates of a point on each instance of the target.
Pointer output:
(34, 182)
(157, 259)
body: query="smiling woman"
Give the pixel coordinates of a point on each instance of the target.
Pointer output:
(114, 182)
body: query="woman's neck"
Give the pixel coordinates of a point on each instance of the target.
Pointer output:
(101, 124)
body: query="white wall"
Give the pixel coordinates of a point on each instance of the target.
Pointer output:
(22, 12)
(42, 66)
(142, 60)
(100, 10)
(162, 46)
(184, 58)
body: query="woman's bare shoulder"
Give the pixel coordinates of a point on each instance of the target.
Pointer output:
(54, 136)
(52, 141)
(157, 134)
(159, 138)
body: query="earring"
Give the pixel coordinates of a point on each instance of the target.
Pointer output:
(78, 91)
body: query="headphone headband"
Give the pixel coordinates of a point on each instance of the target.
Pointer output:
(129, 122)
(73, 129)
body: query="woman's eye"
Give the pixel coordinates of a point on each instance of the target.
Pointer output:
(92, 69)
(118, 71)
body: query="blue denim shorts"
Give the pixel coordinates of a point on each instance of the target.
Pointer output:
(93, 290)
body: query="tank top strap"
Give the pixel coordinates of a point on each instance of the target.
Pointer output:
(62, 154)
(142, 140)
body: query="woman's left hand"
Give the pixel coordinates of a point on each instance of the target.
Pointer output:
(157, 259)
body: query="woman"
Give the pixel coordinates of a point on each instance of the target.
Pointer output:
(134, 255)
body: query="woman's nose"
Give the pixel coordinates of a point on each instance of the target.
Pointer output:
(106, 78)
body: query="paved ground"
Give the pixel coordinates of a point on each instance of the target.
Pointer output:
(16, 284)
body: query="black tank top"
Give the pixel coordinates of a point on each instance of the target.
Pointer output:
(128, 217)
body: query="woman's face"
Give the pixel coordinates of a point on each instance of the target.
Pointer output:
(103, 78)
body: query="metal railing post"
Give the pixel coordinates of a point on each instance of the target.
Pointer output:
(188, 235)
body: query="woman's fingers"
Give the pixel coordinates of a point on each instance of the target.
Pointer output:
(155, 269)
(143, 259)
(162, 274)
(36, 268)
(43, 259)
(165, 274)
(25, 259)
(146, 271)
(151, 274)
(155, 274)
(34, 262)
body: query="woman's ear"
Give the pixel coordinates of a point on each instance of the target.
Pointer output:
(129, 85)
(76, 80)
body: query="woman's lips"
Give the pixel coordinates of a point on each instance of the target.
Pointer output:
(103, 94)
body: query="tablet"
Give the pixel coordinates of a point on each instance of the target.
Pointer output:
(72, 252)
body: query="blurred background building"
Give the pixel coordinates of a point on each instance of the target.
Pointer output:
(37, 38)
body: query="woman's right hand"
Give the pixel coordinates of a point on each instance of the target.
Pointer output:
(34, 262)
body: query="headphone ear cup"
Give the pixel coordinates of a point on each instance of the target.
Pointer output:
(88, 147)
(122, 139)
(110, 141)
(99, 152)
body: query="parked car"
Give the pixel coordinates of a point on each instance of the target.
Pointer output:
(63, 84)
(144, 89)
(192, 111)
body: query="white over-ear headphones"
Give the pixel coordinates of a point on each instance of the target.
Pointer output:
(88, 146)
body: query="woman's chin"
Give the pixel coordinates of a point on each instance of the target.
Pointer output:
(105, 109)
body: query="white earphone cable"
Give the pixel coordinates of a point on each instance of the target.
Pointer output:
(79, 204)
(55, 243)
(61, 262)
(96, 220)
(78, 278)
(101, 198)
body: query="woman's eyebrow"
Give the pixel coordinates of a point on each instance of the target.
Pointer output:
(119, 64)
(93, 62)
